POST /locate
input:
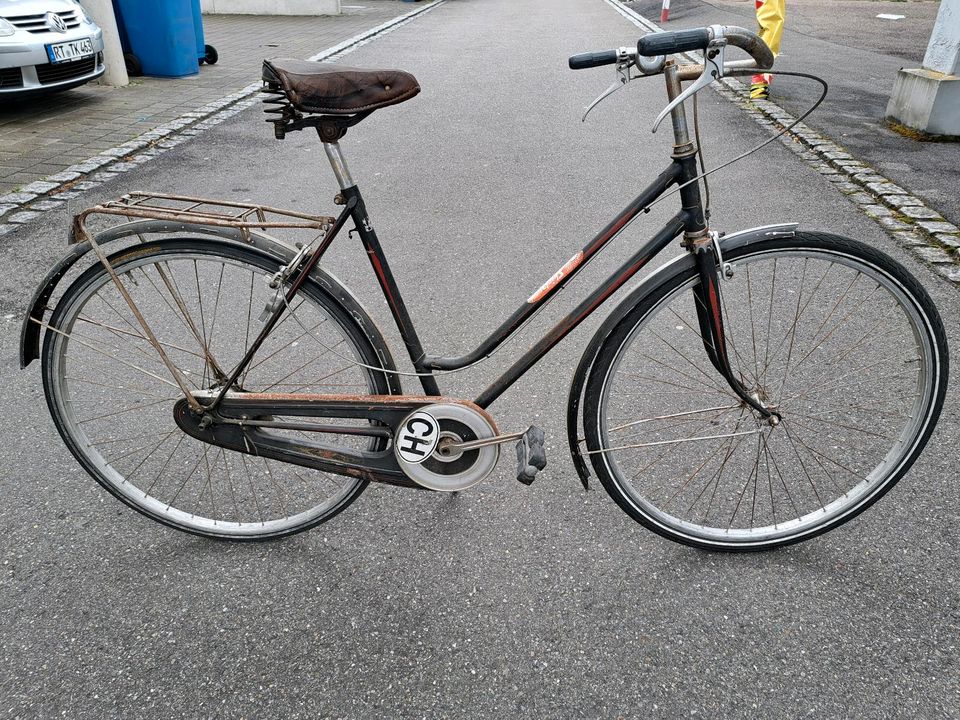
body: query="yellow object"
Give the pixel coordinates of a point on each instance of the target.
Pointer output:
(771, 15)
(760, 90)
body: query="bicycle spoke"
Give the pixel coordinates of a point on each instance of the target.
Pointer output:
(802, 466)
(673, 415)
(163, 467)
(820, 453)
(753, 327)
(844, 426)
(659, 443)
(751, 476)
(710, 381)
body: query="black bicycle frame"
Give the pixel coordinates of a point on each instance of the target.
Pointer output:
(689, 219)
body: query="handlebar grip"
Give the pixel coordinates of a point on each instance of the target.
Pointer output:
(581, 61)
(667, 43)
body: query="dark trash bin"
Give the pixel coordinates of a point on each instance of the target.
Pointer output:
(161, 35)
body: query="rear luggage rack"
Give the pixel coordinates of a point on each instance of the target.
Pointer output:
(199, 211)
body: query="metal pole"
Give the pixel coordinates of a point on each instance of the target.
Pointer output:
(115, 69)
(665, 11)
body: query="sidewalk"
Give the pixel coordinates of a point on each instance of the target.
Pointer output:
(908, 186)
(43, 137)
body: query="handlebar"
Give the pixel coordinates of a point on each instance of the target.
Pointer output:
(667, 43)
(585, 60)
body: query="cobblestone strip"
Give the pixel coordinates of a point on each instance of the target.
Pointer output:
(52, 192)
(905, 217)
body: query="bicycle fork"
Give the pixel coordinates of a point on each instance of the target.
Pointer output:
(707, 298)
(705, 250)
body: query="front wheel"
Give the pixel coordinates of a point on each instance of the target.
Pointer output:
(840, 339)
(112, 397)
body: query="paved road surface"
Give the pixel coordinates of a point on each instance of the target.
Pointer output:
(858, 55)
(504, 601)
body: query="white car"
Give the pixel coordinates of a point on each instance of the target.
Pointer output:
(47, 45)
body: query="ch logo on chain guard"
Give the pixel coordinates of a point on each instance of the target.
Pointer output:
(417, 437)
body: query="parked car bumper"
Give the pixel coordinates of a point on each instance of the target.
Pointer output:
(25, 67)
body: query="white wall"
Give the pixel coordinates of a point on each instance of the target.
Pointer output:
(271, 7)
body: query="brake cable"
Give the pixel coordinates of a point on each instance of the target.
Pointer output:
(766, 142)
(703, 166)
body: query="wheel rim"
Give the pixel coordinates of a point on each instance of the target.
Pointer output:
(716, 460)
(135, 449)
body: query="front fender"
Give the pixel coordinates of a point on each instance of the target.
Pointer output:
(575, 397)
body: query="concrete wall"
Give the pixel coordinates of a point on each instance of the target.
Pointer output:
(271, 7)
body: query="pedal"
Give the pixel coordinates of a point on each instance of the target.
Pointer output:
(531, 455)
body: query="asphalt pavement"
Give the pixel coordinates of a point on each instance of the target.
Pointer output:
(502, 601)
(858, 54)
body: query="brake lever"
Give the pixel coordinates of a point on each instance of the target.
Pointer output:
(712, 70)
(625, 61)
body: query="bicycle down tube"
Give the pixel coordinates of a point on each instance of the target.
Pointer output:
(689, 221)
(424, 363)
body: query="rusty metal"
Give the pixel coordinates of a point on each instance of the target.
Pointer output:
(316, 405)
(196, 211)
(199, 211)
(301, 276)
(238, 424)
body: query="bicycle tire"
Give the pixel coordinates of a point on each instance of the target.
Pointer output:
(92, 367)
(799, 284)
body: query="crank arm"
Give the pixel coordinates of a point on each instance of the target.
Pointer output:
(476, 444)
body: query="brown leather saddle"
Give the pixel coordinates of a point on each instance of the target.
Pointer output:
(330, 89)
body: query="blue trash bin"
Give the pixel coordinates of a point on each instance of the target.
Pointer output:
(205, 53)
(162, 34)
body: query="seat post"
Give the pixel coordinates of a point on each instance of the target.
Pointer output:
(339, 164)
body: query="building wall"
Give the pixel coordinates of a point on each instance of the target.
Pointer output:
(271, 7)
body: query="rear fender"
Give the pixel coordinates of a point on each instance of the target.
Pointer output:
(31, 330)
(575, 398)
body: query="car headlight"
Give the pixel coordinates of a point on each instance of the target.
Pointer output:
(6, 29)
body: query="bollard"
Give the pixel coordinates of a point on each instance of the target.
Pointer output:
(665, 11)
(102, 13)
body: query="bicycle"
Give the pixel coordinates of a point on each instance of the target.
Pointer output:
(723, 404)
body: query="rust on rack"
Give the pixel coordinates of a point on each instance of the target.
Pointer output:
(199, 211)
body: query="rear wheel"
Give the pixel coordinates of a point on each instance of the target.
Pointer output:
(112, 397)
(837, 337)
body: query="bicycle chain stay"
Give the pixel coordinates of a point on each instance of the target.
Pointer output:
(241, 423)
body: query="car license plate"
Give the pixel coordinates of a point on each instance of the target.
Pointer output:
(72, 50)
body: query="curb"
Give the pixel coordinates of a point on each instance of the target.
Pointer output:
(51, 193)
(904, 217)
